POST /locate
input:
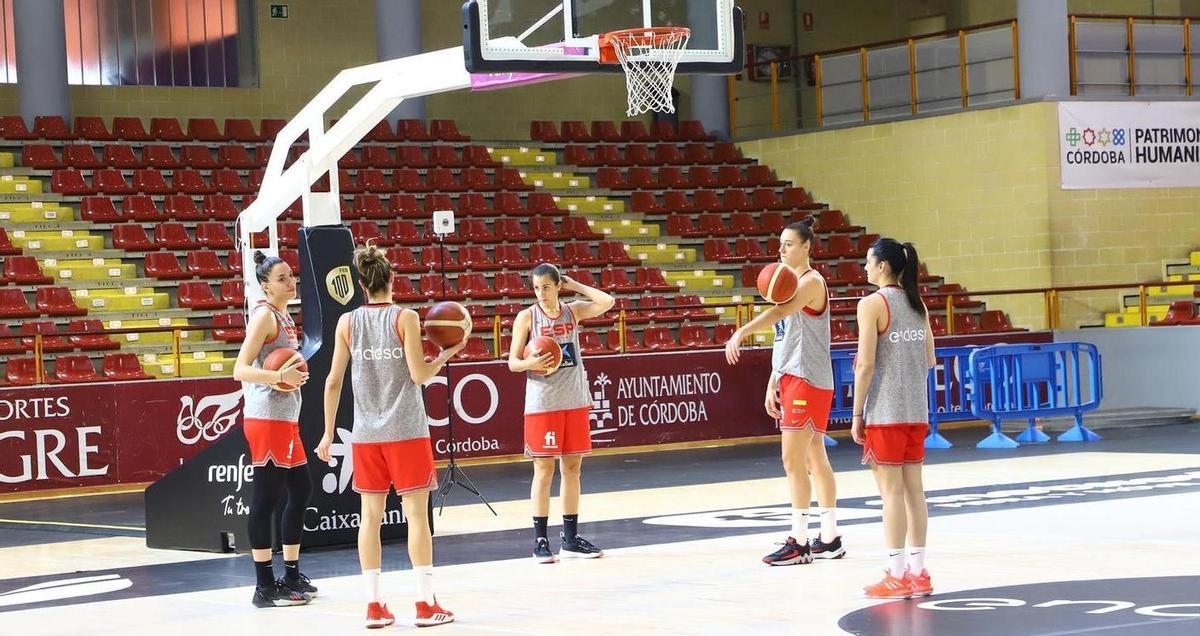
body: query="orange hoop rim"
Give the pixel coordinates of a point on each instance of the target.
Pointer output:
(638, 36)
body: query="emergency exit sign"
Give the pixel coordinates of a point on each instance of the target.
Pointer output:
(279, 11)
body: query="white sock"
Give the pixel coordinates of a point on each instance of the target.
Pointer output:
(916, 560)
(371, 581)
(828, 519)
(424, 574)
(800, 524)
(896, 562)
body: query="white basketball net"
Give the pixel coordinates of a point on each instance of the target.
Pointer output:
(649, 59)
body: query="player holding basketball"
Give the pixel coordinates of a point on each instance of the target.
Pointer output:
(381, 342)
(799, 394)
(891, 409)
(272, 429)
(556, 405)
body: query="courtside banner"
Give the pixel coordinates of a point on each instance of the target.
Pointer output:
(1129, 144)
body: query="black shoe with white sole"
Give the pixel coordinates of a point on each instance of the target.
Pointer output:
(578, 548)
(831, 550)
(300, 584)
(541, 551)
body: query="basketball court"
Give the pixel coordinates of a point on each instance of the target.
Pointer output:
(1064, 540)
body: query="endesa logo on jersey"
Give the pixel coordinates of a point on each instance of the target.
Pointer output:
(557, 331)
(378, 353)
(907, 335)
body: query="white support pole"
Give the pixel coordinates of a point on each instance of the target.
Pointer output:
(395, 80)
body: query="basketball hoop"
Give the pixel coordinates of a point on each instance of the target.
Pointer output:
(649, 56)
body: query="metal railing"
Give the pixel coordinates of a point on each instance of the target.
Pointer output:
(1132, 54)
(894, 79)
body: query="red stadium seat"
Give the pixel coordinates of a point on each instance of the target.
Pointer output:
(635, 130)
(205, 129)
(697, 154)
(436, 286)
(151, 181)
(664, 130)
(13, 127)
(509, 256)
(403, 292)
(24, 270)
(198, 295)
(995, 321)
(727, 153)
(270, 128)
(70, 183)
(476, 258)
(542, 130)
(189, 181)
(660, 339)
(110, 181)
(652, 278)
(761, 176)
(86, 335)
(695, 337)
(510, 230)
(233, 292)
(403, 232)
(119, 367)
(14, 305)
(965, 324)
(52, 127)
(172, 235)
(645, 203)
(99, 210)
(75, 368)
(730, 177)
(672, 177)
(640, 155)
(842, 331)
(21, 371)
(57, 301)
(42, 157)
(510, 179)
(214, 236)
(206, 264)
(476, 179)
(230, 327)
(606, 131)
(512, 285)
(431, 257)
(237, 129)
(691, 310)
(446, 130)
(167, 129)
(581, 255)
(228, 181)
(52, 340)
(475, 286)
(160, 156)
(589, 343)
(617, 280)
(403, 260)
(122, 156)
(475, 351)
(631, 342)
(6, 247)
(221, 207)
(164, 266)
(199, 157)
(130, 129)
(412, 130)
(692, 130)
(177, 207)
(577, 132)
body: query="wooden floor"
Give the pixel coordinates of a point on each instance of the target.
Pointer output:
(1017, 540)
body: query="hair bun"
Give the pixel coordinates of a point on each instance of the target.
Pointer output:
(259, 257)
(810, 221)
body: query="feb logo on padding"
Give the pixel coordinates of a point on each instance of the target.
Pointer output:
(338, 282)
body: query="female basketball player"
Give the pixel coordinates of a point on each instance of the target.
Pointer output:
(891, 409)
(556, 405)
(799, 394)
(391, 449)
(272, 428)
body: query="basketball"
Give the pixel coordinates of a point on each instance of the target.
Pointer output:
(542, 345)
(777, 283)
(284, 358)
(447, 324)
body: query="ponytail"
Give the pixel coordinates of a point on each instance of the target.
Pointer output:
(909, 277)
(906, 267)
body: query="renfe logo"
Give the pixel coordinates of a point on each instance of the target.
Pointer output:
(240, 473)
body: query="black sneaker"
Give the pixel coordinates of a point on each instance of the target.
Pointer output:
(278, 595)
(541, 551)
(791, 553)
(578, 548)
(300, 584)
(831, 550)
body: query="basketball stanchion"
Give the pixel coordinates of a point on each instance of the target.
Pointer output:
(443, 224)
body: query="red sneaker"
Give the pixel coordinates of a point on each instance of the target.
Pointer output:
(378, 616)
(889, 587)
(431, 615)
(921, 584)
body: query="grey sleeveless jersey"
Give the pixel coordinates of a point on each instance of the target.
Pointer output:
(566, 388)
(263, 402)
(802, 344)
(388, 406)
(899, 390)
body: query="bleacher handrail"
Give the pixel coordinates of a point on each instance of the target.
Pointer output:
(1131, 21)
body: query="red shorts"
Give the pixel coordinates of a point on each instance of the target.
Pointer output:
(895, 444)
(405, 465)
(557, 433)
(803, 405)
(276, 441)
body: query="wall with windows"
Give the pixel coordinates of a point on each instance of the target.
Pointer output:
(296, 57)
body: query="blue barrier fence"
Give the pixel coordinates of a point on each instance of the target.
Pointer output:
(996, 383)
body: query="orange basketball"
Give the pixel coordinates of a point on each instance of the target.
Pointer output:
(542, 345)
(284, 358)
(777, 283)
(447, 324)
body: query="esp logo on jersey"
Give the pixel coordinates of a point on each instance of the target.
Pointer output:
(557, 330)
